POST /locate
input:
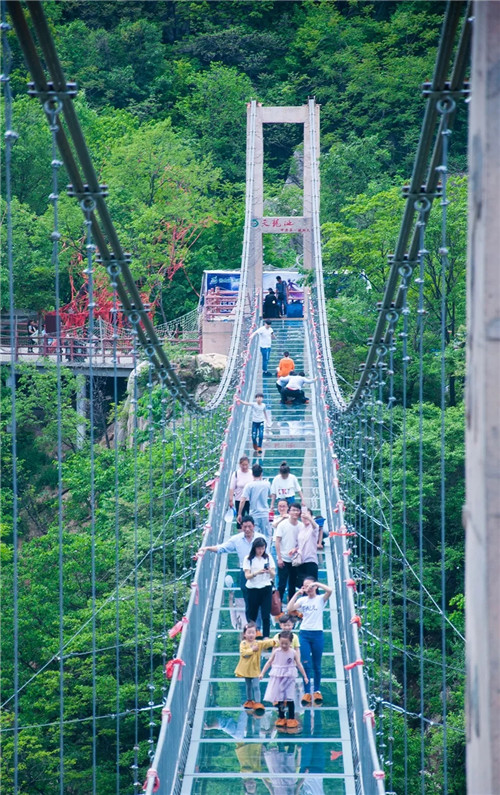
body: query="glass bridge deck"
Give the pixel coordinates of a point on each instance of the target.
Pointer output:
(232, 751)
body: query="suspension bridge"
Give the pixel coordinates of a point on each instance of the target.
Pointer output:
(166, 619)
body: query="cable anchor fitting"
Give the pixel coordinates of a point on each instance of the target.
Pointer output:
(447, 91)
(50, 93)
(87, 193)
(422, 193)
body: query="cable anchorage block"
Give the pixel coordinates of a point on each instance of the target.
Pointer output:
(446, 91)
(50, 92)
(87, 193)
(423, 193)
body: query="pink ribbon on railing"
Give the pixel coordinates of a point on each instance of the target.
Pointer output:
(356, 620)
(152, 773)
(351, 584)
(352, 665)
(178, 627)
(369, 714)
(379, 775)
(169, 668)
(166, 712)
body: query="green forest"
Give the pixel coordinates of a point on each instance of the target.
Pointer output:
(162, 96)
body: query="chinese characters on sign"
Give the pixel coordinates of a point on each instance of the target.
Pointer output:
(292, 224)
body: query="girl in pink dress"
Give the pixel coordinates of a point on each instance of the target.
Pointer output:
(281, 687)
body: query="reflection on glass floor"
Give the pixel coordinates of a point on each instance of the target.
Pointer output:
(235, 752)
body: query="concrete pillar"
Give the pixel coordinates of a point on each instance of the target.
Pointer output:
(81, 409)
(482, 512)
(280, 115)
(258, 202)
(307, 181)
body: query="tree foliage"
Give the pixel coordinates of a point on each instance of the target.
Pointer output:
(162, 101)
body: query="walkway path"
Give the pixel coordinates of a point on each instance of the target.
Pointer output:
(232, 752)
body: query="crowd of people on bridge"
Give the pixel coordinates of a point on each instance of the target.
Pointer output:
(277, 554)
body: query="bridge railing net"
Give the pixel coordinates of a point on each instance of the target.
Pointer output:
(196, 445)
(173, 741)
(365, 757)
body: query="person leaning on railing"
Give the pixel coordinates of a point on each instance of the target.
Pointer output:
(241, 543)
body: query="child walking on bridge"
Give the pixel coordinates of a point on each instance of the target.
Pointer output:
(259, 415)
(249, 666)
(284, 662)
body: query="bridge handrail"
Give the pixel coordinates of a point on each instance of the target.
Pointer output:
(331, 376)
(369, 776)
(173, 741)
(365, 756)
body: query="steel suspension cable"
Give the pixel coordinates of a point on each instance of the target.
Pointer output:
(116, 506)
(52, 109)
(135, 443)
(151, 684)
(10, 137)
(405, 272)
(445, 108)
(422, 206)
(88, 206)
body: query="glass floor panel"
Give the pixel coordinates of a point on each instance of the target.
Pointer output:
(233, 751)
(239, 725)
(316, 756)
(231, 693)
(265, 783)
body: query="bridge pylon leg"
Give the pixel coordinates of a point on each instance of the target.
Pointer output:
(482, 514)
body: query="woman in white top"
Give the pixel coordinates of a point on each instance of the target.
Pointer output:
(259, 568)
(239, 480)
(311, 605)
(285, 486)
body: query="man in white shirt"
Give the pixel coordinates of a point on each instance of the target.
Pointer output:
(257, 493)
(286, 539)
(265, 334)
(241, 543)
(293, 387)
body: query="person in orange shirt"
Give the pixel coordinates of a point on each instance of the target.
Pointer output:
(286, 365)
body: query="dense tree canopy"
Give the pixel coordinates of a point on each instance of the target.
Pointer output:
(162, 99)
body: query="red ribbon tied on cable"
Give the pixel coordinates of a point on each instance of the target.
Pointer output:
(356, 620)
(178, 627)
(378, 774)
(170, 666)
(351, 584)
(352, 665)
(152, 773)
(369, 714)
